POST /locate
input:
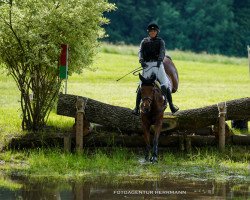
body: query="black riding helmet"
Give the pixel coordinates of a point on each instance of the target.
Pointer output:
(153, 26)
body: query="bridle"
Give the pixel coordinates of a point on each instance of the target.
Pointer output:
(149, 99)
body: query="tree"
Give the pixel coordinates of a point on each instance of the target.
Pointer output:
(241, 35)
(207, 24)
(171, 25)
(129, 22)
(31, 35)
(198, 25)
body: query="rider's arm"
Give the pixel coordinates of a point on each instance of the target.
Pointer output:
(162, 50)
(140, 54)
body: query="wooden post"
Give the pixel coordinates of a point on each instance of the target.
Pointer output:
(188, 144)
(222, 115)
(67, 143)
(79, 124)
(78, 191)
(181, 143)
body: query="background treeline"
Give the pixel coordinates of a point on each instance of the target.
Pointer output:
(213, 26)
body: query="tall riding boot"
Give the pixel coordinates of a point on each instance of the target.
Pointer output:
(167, 93)
(136, 110)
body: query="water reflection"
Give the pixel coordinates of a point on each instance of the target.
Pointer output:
(167, 188)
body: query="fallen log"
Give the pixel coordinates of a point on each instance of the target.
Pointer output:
(114, 117)
(201, 117)
(121, 119)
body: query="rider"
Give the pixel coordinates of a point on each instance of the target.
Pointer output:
(151, 55)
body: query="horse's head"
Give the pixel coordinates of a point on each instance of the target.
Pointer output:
(147, 93)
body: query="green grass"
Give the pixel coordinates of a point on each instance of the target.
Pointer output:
(121, 163)
(5, 182)
(176, 54)
(204, 80)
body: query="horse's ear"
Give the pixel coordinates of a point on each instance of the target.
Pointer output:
(142, 78)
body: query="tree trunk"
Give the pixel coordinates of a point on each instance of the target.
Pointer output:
(123, 120)
(109, 116)
(201, 117)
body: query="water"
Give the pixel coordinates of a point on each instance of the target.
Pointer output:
(167, 188)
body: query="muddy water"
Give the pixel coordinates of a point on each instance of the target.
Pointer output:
(167, 188)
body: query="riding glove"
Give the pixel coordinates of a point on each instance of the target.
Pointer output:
(141, 60)
(159, 63)
(143, 65)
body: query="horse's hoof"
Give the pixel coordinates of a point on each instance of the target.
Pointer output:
(153, 159)
(147, 158)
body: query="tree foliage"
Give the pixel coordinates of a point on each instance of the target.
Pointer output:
(31, 35)
(219, 26)
(208, 24)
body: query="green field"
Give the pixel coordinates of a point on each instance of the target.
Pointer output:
(204, 80)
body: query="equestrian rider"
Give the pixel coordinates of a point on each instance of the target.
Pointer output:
(151, 55)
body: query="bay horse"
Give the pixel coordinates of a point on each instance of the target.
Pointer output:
(152, 111)
(152, 106)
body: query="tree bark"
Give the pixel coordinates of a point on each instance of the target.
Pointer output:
(113, 117)
(194, 119)
(122, 119)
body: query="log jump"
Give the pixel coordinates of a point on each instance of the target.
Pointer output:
(122, 120)
(187, 128)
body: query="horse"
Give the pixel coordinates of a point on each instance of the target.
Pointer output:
(172, 73)
(152, 106)
(152, 111)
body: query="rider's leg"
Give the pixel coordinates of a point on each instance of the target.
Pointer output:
(136, 110)
(165, 82)
(167, 93)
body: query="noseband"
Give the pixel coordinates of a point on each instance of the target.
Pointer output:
(149, 99)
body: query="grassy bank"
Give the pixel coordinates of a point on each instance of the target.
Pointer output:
(120, 163)
(204, 80)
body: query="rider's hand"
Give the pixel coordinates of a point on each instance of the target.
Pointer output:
(143, 65)
(158, 63)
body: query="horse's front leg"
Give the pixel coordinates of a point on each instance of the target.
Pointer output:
(146, 135)
(154, 157)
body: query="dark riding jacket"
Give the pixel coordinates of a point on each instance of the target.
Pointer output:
(152, 49)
